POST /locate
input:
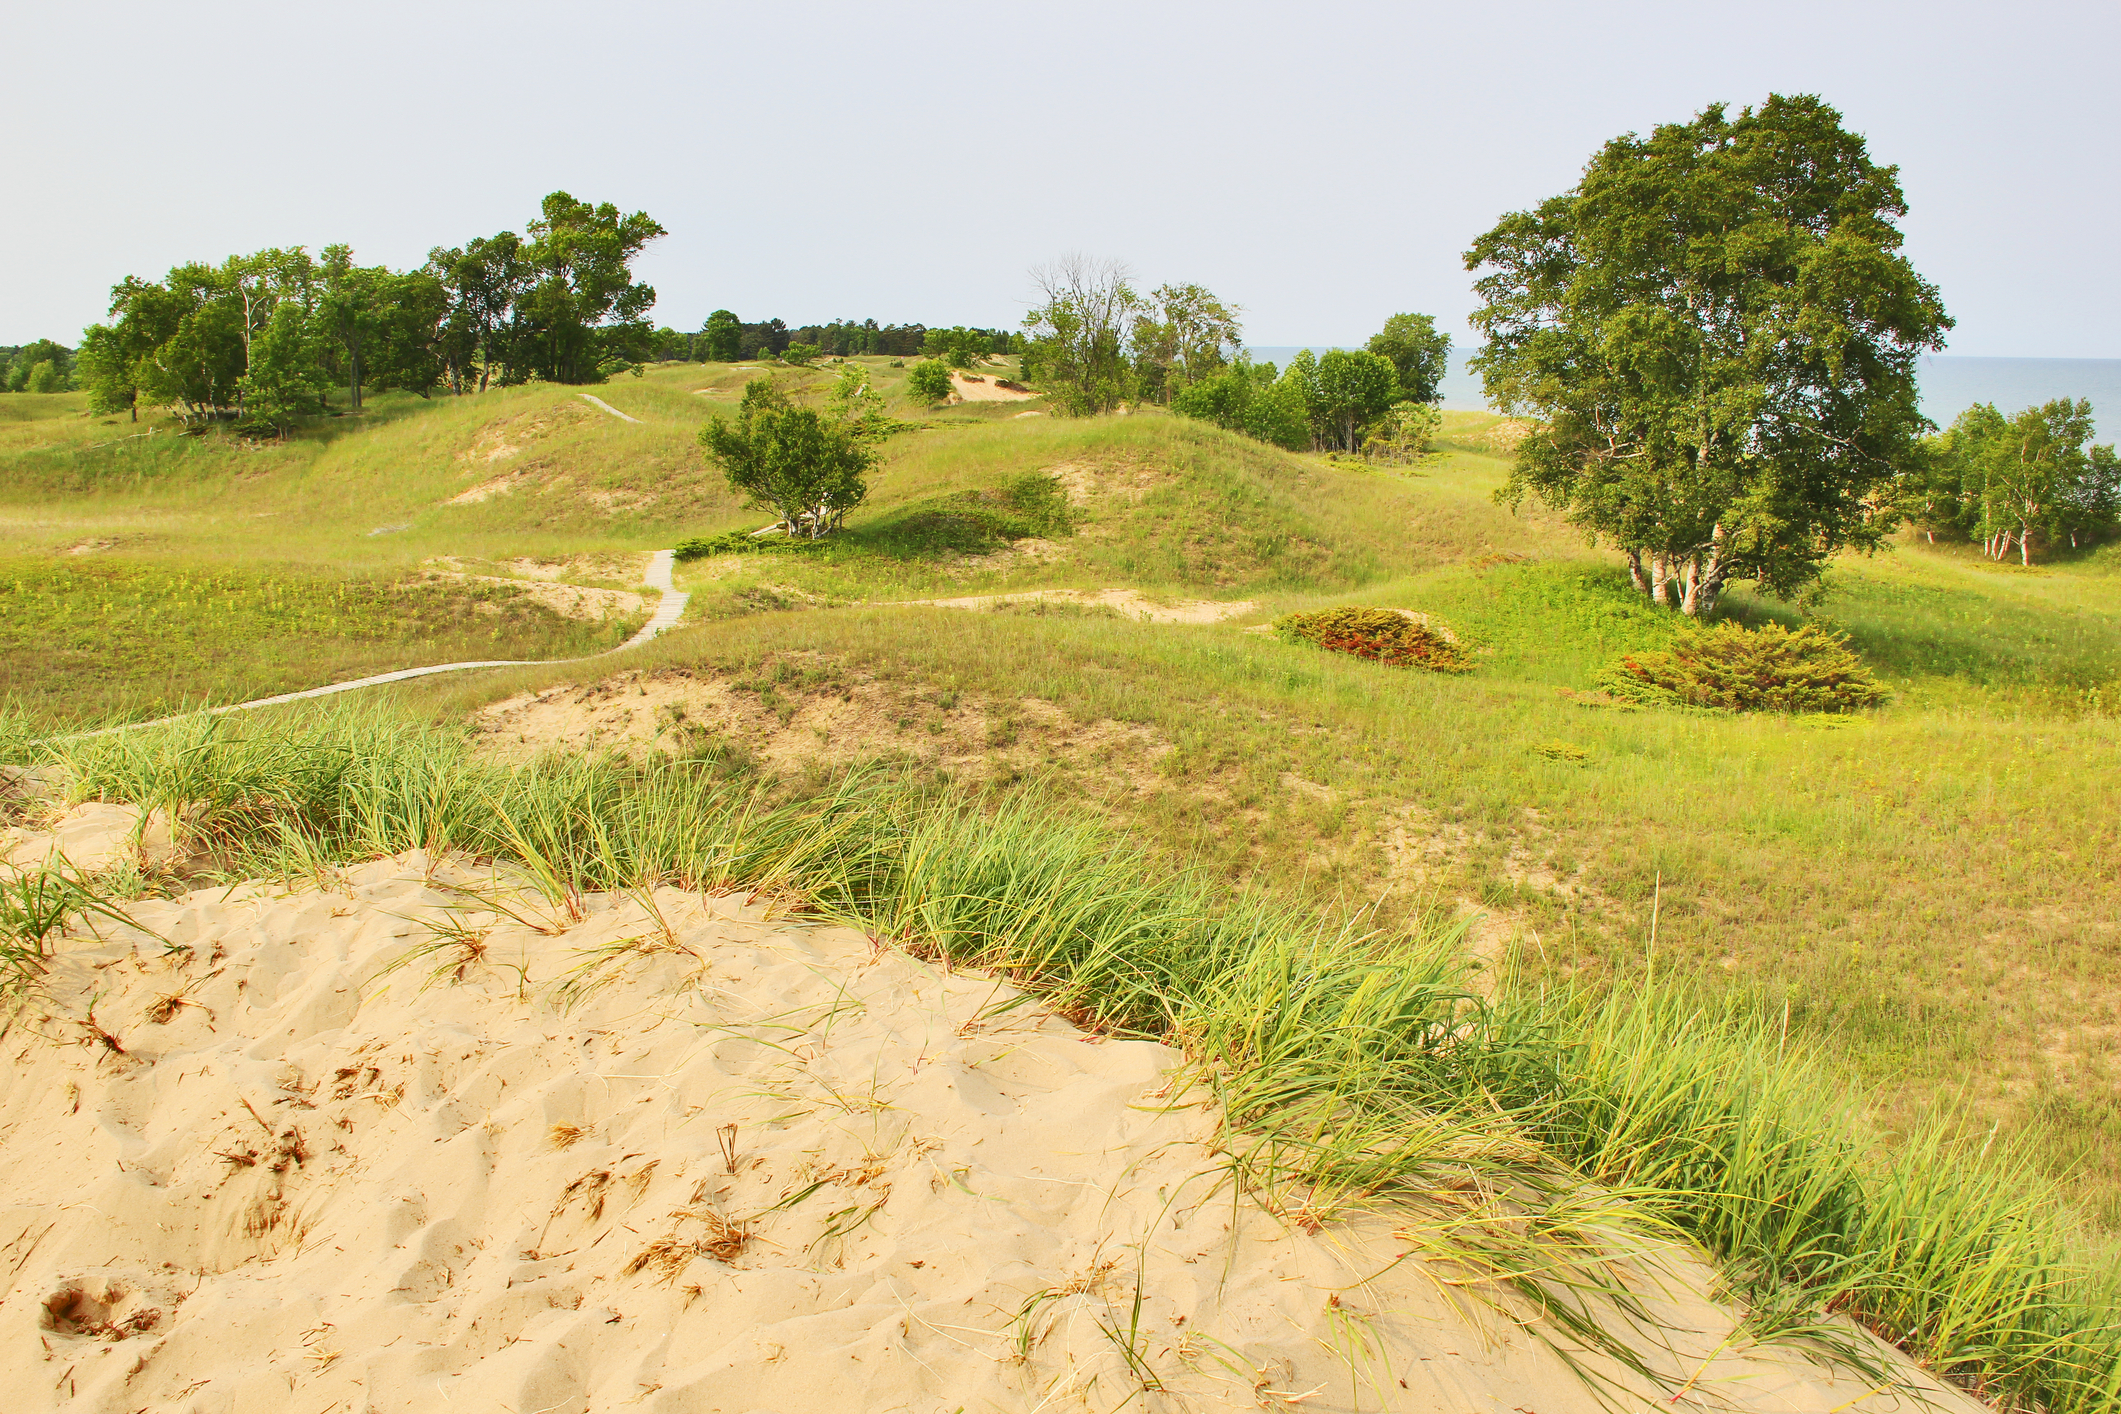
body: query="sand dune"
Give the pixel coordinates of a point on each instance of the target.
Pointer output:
(674, 1155)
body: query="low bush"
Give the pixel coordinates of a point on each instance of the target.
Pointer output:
(1381, 635)
(929, 382)
(737, 542)
(1737, 669)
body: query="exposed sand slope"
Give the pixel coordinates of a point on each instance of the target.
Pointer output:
(1128, 602)
(569, 601)
(844, 716)
(983, 390)
(763, 1169)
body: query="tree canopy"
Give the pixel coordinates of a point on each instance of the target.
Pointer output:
(2028, 482)
(1078, 335)
(264, 337)
(803, 465)
(1420, 354)
(1716, 335)
(40, 366)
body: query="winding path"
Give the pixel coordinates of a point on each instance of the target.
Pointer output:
(665, 618)
(609, 408)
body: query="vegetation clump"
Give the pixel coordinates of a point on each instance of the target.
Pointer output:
(1769, 669)
(929, 382)
(1381, 635)
(806, 466)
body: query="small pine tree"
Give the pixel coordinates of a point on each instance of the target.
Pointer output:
(1736, 669)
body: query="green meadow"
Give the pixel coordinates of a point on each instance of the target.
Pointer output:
(1922, 900)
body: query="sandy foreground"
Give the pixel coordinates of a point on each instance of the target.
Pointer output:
(378, 1145)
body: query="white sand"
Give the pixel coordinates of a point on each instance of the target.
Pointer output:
(983, 390)
(287, 1183)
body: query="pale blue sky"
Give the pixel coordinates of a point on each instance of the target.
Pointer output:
(1321, 164)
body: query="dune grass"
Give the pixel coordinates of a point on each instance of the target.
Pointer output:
(1922, 894)
(1521, 1138)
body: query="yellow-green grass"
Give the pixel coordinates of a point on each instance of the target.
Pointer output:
(113, 637)
(1929, 890)
(1529, 1141)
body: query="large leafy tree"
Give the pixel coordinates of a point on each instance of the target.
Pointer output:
(1248, 397)
(1182, 335)
(1420, 354)
(583, 314)
(287, 377)
(483, 278)
(1342, 393)
(1716, 335)
(40, 366)
(353, 310)
(807, 467)
(723, 334)
(1077, 338)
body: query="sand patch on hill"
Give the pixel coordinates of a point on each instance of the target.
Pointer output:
(805, 712)
(91, 838)
(1087, 483)
(974, 388)
(484, 491)
(569, 601)
(249, 1166)
(1127, 603)
(507, 437)
(613, 568)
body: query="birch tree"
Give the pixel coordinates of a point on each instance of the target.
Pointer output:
(1715, 335)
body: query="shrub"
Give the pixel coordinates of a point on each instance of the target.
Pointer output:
(929, 382)
(1381, 635)
(1737, 669)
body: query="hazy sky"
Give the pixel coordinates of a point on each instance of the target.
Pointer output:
(1321, 164)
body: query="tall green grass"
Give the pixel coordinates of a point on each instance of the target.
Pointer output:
(1525, 1138)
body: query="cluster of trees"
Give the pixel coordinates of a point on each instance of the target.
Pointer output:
(2025, 483)
(39, 366)
(265, 337)
(1716, 336)
(1094, 343)
(1379, 401)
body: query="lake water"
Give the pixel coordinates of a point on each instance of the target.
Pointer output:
(1950, 383)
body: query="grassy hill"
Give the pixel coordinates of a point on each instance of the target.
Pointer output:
(1926, 886)
(1925, 894)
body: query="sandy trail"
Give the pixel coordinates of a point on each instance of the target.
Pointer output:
(596, 401)
(1127, 602)
(671, 1155)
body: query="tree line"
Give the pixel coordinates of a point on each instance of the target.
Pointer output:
(267, 337)
(1095, 343)
(2023, 484)
(725, 338)
(39, 366)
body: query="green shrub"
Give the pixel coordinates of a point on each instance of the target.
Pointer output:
(737, 542)
(1769, 669)
(1381, 635)
(929, 382)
